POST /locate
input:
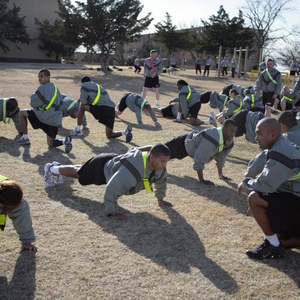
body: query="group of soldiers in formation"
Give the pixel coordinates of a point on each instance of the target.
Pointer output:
(272, 180)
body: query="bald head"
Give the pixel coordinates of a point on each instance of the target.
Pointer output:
(269, 124)
(267, 132)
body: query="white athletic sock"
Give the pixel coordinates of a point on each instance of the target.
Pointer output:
(78, 128)
(178, 116)
(54, 170)
(25, 136)
(273, 239)
(206, 122)
(124, 132)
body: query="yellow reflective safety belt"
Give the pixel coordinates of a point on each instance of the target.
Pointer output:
(98, 95)
(143, 104)
(225, 101)
(2, 216)
(252, 100)
(73, 103)
(51, 101)
(146, 182)
(270, 77)
(221, 139)
(4, 112)
(239, 108)
(288, 99)
(2, 177)
(295, 177)
(189, 93)
(2, 222)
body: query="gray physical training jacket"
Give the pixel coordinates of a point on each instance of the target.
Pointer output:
(281, 164)
(89, 91)
(134, 103)
(39, 101)
(14, 116)
(21, 220)
(203, 146)
(121, 181)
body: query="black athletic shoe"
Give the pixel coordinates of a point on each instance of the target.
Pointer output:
(68, 144)
(128, 134)
(266, 250)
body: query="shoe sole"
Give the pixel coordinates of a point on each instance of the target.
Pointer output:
(68, 147)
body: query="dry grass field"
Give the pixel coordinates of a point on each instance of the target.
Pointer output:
(194, 250)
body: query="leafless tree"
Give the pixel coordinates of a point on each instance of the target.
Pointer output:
(262, 15)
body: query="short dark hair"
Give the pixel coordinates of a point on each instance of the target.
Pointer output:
(160, 150)
(182, 82)
(288, 119)
(46, 72)
(147, 106)
(11, 104)
(85, 79)
(234, 91)
(229, 122)
(11, 193)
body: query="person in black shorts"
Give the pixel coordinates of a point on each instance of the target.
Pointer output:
(45, 114)
(274, 193)
(153, 68)
(124, 174)
(95, 99)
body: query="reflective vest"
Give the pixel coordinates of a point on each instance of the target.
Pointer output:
(239, 108)
(270, 77)
(4, 112)
(73, 103)
(98, 95)
(252, 100)
(226, 100)
(189, 93)
(143, 104)
(51, 101)
(2, 216)
(146, 182)
(288, 99)
(221, 139)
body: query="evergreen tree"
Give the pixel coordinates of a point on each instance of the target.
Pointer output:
(12, 27)
(225, 32)
(170, 37)
(54, 39)
(104, 23)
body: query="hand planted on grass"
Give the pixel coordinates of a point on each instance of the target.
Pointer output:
(29, 247)
(207, 182)
(223, 177)
(163, 202)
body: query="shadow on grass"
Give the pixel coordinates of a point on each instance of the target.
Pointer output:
(289, 265)
(173, 244)
(22, 284)
(10, 146)
(224, 195)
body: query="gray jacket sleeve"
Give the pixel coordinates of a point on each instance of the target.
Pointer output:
(118, 185)
(160, 186)
(22, 222)
(297, 86)
(256, 165)
(272, 176)
(184, 104)
(203, 154)
(138, 115)
(152, 115)
(220, 157)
